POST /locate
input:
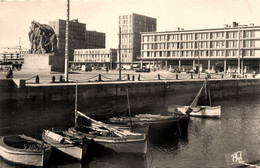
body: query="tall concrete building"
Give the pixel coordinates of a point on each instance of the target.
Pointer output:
(95, 39)
(131, 26)
(78, 37)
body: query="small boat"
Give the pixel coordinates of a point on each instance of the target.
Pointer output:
(70, 146)
(24, 150)
(158, 124)
(120, 141)
(152, 119)
(198, 111)
(133, 127)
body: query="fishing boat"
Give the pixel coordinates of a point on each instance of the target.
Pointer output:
(157, 122)
(70, 146)
(152, 119)
(120, 141)
(159, 125)
(130, 126)
(198, 111)
(24, 150)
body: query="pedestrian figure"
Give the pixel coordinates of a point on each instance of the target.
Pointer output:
(9, 73)
(107, 69)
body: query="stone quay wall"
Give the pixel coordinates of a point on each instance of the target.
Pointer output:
(102, 98)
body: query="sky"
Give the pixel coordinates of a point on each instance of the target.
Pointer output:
(102, 15)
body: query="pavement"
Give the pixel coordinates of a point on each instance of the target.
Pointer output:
(112, 76)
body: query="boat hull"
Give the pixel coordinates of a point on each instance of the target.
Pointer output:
(205, 111)
(127, 144)
(24, 156)
(75, 150)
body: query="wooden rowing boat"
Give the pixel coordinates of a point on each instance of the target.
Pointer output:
(70, 146)
(24, 150)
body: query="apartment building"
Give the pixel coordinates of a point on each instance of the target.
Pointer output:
(12, 58)
(131, 26)
(95, 39)
(96, 58)
(224, 49)
(79, 37)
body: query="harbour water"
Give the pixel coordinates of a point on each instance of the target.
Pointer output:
(203, 145)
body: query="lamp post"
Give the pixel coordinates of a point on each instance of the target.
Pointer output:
(199, 59)
(119, 53)
(240, 50)
(238, 61)
(67, 43)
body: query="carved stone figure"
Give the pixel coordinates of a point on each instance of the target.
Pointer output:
(43, 38)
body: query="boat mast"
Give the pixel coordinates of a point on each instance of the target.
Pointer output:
(129, 110)
(208, 90)
(76, 104)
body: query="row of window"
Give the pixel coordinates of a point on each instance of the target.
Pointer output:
(92, 56)
(221, 53)
(201, 45)
(90, 60)
(91, 52)
(196, 36)
(10, 56)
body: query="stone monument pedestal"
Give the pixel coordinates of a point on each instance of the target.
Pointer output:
(43, 63)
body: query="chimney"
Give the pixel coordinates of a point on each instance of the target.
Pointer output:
(235, 24)
(225, 25)
(177, 28)
(251, 24)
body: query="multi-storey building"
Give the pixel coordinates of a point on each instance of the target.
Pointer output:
(223, 49)
(131, 26)
(96, 58)
(95, 39)
(78, 37)
(12, 59)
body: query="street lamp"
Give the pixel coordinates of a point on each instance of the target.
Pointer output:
(67, 43)
(240, 64)
(198, 59)
(119, 53)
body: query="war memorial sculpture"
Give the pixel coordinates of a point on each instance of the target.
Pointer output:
(43, 55)
(42, 38)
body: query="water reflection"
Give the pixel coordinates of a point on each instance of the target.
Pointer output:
(204, 143)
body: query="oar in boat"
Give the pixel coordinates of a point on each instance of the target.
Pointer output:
(238, 158)
(33, 140)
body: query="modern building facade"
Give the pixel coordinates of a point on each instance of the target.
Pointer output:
(13, 59)
(95, 39)
(224, 49)
(96, 58)
(76, 36)
(79, 37)
(131, 26)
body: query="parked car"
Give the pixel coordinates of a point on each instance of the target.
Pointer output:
(143, 70)
(211, 71)
(175, 71)
(192, 71)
